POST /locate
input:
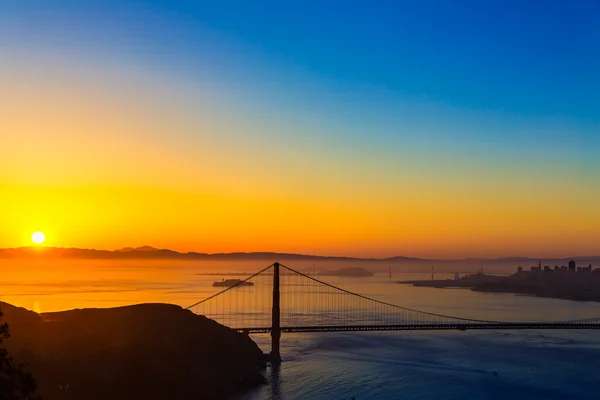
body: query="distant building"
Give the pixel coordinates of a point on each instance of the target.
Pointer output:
(571, 268)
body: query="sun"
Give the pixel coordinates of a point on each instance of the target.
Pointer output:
(38, 238)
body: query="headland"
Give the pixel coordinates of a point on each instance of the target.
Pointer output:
(144, 351)
(567, 282)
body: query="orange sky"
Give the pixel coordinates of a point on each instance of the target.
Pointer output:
(104, 156)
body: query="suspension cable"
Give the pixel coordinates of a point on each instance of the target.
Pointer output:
(385, 303)
(230, 287)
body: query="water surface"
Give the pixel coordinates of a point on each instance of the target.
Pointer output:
(369, 365)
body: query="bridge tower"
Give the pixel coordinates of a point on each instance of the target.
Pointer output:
(275, 318)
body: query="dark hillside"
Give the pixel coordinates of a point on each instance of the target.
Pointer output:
(146, 351)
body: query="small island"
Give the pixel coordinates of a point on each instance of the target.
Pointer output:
(466, 282)
(353, 272)
(231, 283)
(565, 282)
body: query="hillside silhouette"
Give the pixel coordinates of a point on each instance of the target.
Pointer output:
(153, 252)
(412, 264)
(146, 351)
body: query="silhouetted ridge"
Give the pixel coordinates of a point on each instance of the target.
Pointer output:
(409, 264)
(142, 248)
(146, 351)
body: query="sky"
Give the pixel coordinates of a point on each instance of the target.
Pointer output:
(418, 128)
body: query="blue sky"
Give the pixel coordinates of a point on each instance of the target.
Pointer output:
(536, 58)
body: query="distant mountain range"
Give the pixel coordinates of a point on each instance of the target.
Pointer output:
(148, 252)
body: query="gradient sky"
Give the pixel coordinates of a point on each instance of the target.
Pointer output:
(421, 128)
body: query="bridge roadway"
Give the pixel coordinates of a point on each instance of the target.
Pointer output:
(425, 327)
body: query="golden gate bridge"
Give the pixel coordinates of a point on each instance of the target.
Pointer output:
(283, 300)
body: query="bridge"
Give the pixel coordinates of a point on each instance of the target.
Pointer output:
(279, 299)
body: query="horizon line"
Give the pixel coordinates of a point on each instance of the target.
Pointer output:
(156, 249)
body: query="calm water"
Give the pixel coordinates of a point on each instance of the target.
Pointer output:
(404, 365)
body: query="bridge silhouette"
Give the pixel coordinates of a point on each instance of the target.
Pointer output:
(279, 299)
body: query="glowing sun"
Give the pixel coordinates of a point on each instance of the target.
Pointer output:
(38, 238)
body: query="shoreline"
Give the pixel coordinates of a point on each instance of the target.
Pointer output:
(441, 284)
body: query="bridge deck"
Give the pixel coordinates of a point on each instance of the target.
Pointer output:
(422, 327)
